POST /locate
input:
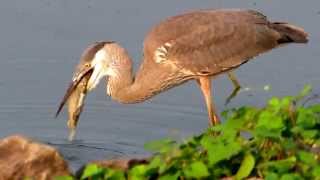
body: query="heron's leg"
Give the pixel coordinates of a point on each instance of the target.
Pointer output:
(236, 87)
(205, 86)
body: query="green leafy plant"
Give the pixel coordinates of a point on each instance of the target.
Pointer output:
(278, 141)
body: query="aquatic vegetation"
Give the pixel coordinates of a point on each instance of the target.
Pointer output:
(278, 141)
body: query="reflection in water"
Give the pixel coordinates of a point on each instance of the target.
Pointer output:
(41, 43)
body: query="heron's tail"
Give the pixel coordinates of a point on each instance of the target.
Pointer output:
(290, 33)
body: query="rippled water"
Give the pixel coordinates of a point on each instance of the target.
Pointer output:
(41, 41)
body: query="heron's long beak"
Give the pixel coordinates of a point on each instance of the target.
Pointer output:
(73, 85)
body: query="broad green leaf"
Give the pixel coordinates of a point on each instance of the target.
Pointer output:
(316, 171)
(155, 162)
(306, 118)
(307, 157)
(164, 167)
(154, 165)
(280, 165)
(114, 175)
(270, 121)
(264, 132)
(138, 170)
(274, 102)
(246, 166)
(269, 125)
(315, 108)
(272, 176)
(91, 170)
(232, 125)
(309, 134)
(62, 178)
(286, 102)
(291, 176)
(134, 177)
(220, 150)
(196, 170)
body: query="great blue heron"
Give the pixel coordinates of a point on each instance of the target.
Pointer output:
(197, 46)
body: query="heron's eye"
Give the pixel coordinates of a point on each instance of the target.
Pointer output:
(87, 65)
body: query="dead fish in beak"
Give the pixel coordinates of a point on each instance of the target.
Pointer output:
(75, 96)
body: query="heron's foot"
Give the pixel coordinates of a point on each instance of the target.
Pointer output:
(72, 134)
(232, 95)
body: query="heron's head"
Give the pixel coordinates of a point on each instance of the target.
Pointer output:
(100, 62)
(94, 64)
(100, 68)
(97, 61)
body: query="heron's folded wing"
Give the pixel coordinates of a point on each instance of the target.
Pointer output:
(220, 45)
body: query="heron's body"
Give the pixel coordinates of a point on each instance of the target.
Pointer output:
(197, 45)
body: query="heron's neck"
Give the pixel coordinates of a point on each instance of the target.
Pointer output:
(124, 87)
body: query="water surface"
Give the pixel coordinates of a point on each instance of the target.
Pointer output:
(41, 41)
